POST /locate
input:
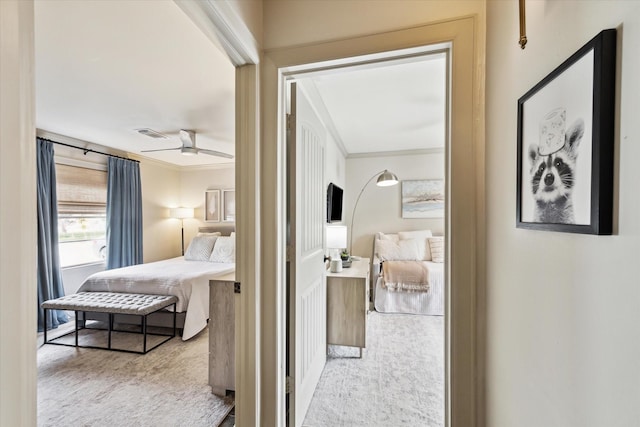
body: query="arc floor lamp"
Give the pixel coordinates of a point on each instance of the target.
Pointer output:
(385, 179)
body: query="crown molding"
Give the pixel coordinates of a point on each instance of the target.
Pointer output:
(438, 150)
(215, 166)
(221, 24)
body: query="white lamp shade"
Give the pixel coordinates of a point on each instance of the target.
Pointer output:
(336, 236)
(181, 213)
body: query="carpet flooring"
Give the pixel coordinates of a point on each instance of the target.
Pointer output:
(398, 382)
(165, 388)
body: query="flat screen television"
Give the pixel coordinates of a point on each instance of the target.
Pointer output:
(334, 203)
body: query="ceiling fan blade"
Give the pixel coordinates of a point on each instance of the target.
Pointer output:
(214, 153)
(161, 149)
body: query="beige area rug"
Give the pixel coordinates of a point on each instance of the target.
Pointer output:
(166, 387)
(398, 382)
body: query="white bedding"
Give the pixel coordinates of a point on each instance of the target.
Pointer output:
(187, 280)
(430, 302)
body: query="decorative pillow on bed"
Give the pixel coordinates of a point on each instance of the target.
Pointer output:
(224, 250)
(436, 245)
(200, 248)
(404, 250)
(392, 237)
(421, 236)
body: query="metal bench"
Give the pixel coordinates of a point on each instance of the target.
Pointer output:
(111, 303)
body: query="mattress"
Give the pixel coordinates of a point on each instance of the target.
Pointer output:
(187, 280)
(430, 302)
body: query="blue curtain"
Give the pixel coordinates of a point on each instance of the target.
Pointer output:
(124, 213)
(49, 274)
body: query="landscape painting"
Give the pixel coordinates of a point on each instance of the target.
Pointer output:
(423, 198)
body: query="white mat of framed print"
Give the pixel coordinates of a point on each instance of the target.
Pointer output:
(565, 144)
(423, 198)
(212, 206)
(229, 205)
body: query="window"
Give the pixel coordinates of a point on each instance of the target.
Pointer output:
(82, 214)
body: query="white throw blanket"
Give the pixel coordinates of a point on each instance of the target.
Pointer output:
(187, 280)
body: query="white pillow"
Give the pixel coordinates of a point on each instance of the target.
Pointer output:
(224, 250)
(421, 236)
(436, 245)
(392, 237)
(200, 248)
(404, 250)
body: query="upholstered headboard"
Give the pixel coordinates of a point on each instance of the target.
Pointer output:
(224, 229)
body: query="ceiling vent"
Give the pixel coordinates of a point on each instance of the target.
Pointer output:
(151, 133)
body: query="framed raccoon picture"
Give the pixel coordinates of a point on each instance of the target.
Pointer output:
(565, 144)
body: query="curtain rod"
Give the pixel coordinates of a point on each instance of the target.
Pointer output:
(87, 150)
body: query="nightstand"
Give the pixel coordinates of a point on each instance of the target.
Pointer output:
(348, 305)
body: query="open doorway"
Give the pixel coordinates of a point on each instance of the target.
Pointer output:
(418, 154)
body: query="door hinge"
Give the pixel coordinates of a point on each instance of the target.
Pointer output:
(289, 249)
(288, 121)
(236, 287)
(288, 384)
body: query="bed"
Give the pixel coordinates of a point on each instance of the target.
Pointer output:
(187, 277)
(408, 273)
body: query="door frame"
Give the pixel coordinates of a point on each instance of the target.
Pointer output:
(464, 220)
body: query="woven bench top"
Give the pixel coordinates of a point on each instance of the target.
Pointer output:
(111, 302)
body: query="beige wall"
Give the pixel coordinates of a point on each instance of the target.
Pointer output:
(18, 235)
(379, 208)
(193, 184)
(563, 309)
(164, 187)
(294, 22)
(160, 191)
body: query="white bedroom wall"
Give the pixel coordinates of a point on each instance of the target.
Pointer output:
(193, 184)
(335, 164)
(563, 309)
(379, 208)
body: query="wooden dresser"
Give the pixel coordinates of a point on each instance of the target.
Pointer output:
(222, 313)
(348, 305)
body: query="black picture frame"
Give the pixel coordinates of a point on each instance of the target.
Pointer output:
(566, 144)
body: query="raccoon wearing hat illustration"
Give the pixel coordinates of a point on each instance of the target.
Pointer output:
(553, 164)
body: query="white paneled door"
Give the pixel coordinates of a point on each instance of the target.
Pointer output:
(308, 290)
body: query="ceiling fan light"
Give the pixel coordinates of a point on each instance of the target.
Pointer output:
(151, 133)
(188, 151)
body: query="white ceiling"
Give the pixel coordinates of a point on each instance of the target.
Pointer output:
(105, 69)
(393, 107)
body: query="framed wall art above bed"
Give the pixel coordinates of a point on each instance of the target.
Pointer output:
(229, 205)
(212, 206)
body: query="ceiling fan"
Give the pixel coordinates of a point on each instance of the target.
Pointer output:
(188, 138)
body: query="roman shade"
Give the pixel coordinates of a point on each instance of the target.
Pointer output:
(81, 190)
